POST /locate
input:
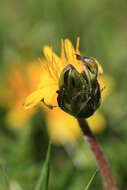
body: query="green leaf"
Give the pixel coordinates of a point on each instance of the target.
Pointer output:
(91, 179)
(43, 180)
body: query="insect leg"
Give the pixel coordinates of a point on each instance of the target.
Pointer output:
(48, 105)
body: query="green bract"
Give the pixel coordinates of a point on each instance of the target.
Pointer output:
(79, 93)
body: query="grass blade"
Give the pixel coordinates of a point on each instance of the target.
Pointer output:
(43, 180)
(91, 179)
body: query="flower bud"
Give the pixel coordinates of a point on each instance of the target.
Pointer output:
(79, 93)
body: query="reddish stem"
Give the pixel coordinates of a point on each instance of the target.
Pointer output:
(102, 164)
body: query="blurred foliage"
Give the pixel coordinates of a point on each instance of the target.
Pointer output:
(43, 180)
(25, 26)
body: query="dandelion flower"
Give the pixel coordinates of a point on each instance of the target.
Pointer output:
(58, 121)
(48, 86)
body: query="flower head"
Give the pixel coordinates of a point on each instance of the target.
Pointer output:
(60, 74)
(20, 80)
(63, 128)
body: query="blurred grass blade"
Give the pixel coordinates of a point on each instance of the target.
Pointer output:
(4, 179)
(43, 180)
(91, 179)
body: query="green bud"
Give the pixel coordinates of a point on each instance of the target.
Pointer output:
(79, 93)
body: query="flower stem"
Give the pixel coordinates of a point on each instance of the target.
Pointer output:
(102, 164)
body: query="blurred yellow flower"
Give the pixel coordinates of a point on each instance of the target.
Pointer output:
(20, 80)
(62, 127)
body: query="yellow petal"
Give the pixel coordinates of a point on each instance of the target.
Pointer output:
(97, 122)
(50, 95)
(108, 83)
(62, 127)
(62, 52)
(54, 61)
(77, 45)
(49, 54)
(70, 52)
(46, 80)
(100, 69)
(47, 93)
(33, 99)
(71, 55)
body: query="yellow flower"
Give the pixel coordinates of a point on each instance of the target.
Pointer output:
(51, 73)
(61, 126)
(20, 80)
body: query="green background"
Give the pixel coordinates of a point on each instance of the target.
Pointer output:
(27, 25)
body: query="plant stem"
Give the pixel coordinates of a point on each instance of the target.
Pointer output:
(102, 164)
